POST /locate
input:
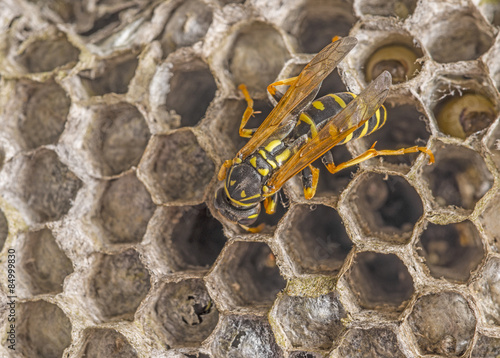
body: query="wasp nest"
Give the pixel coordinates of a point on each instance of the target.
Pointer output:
(115, 118)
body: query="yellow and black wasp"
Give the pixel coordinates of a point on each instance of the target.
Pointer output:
(298, 131)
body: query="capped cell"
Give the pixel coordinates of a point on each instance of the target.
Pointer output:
(377, 342)
(186, 313)
(105, 342)
(451, 251)
(315, 239)
(442, 323)
(246, 276)
(117, 285)
(380, 281)
(486, 289)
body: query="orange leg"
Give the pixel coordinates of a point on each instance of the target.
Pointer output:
(372, 153)
(254, 230)
(223, 169)
(286, 82)
(244, 132)
(310, 191)
(270, 204)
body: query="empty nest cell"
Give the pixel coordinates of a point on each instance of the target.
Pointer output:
(380, 281)
(109, 343)
(44, 266)
(386, 206)
(124, 210)
(452, 251)
(42, 329)
(246, 275)
(309, 322)
(377, 342)
(315, 239)
(399, 8)
(486, 289)
(176, 169)
(442, 323)
(117, 285)
(459, 177)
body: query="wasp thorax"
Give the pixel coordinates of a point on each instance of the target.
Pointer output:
(244, 185)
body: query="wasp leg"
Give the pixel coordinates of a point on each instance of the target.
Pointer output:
(254, 230)
(372, 152)
(286, 82)
(270, 204)
(223, 169)
(245, 132)
(310, 176)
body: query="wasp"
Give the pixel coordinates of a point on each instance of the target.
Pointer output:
(298, 131)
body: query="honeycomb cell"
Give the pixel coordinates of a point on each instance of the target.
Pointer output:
(317, 21)
(192, 89)
(487, 291)
(176, 169)
(4, 229)
(45, 186)
(42, 330)
(246, 276)
(378, 342)
(442, 323)
(386, 206)
(380, 281)
(304, 354)
(245, 336)
(486, 347)
(493, 144)
(117, 138)
(316, 239)
(258, 47)
(111, 77)
(187, 25)
(330, 185)
(188, 237)
(45, 107)
(124, 210)
(107, 343)
(399, 8)
(186, 312)
(45, 55)
(459, 177)
(451, 251)
(44, 265)
(118, 283)
(458, 35)
(490, 222)
(310, 322)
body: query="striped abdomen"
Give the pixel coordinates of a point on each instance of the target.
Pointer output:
(328, 106)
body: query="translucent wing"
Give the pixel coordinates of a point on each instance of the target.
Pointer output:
(311, 76)
(357, 112)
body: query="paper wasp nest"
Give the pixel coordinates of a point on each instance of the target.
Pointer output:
(115, 118)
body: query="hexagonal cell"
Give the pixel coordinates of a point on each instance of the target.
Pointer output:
(45, 55)
(486, 289)
(109, 343)
(405, 128)
(44, 185)
(44, 266)
(4, 229)
(316, 239)
(245, 336)
(191, 81)
(118, 283)
(124, 210)
(459, 177)
(116, 137)
(188, 237)
(490, 222)
(112, 76)
(442, 323)
(398, 8)
(42, 113)
(317, 21)
(378, 342)
(176, 169)
(380, 281)
(186, 312)
(257, 46)
(486, 347)
(42, 330)
(386, 206)
(451, 251)
(309, 322)
(187, 25)
(456, 34)
(246, 276)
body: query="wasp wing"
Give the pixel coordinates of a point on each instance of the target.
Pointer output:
(352, 117)
(311, 77)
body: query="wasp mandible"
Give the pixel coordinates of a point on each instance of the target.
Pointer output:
(298, 131)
